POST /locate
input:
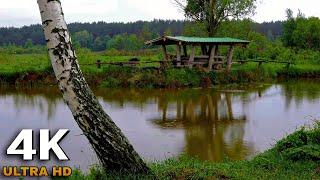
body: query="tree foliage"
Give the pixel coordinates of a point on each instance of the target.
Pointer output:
(100, 43)
(289, 26)
(125, 42)
(84, 38)
(236, 28)
(301, 32)
(213, 12)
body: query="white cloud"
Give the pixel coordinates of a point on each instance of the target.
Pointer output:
(270, 10)
(88, 11)
(164, 9)
(90, 7)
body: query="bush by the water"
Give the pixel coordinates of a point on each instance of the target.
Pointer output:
(301, 145)
(151, 77)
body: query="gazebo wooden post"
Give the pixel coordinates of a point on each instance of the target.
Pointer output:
(179, 54)
(217, 53)
(211, 58)
(209, 49)
(229, 57)
(192, 56)
(204, 49)
(185, 50)
(165, 54)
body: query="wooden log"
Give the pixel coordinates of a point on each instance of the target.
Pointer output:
(199, 63)
(202, 57)
(201, 60)
(220, 57)
(212, 56)
(219, 62)
(192, 55)
(229, 58)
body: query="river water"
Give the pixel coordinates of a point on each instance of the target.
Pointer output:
(210, 124)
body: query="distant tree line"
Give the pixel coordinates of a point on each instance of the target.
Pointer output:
(121, 36)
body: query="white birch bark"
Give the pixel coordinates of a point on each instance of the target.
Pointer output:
(111, 146)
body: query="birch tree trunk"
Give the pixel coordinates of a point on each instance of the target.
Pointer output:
(111, 146)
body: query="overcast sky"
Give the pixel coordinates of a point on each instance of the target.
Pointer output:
(25, 12)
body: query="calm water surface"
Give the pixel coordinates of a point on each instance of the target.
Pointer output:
(211, 124)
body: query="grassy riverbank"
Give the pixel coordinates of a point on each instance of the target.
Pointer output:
(295, 157)
(36, 69)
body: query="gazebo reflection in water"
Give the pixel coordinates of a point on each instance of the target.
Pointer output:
(212, 130)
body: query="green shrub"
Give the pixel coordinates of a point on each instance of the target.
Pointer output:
(306, 152)
(110, 82)
(184, 77)
(301, 145)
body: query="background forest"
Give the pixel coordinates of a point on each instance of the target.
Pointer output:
(296, 39)
(96, 36)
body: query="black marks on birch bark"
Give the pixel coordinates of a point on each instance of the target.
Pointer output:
(55, 30)
(46, 22)
(54, 0)
(64, 46)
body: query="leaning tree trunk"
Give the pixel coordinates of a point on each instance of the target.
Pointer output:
(111, 146)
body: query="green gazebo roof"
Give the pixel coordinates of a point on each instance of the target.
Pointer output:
(171, 40)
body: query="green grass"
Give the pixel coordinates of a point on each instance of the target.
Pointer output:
(250, 72)
(14, 66)
(295, 157)
(22, 63)
(274, 69)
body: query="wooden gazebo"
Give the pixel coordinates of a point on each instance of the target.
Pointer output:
(210, 56)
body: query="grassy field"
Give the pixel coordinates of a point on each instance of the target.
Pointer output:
(21, 63)
(15, 63)
(295, 157)
(14, 66)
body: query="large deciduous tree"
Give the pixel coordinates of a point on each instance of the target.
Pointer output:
(288, 28)
(213, 12)
(111, 146)
(300, 32)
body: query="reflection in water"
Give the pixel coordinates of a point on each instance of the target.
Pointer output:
(45, 100)
(205, 123)
(299, 92)
(212, 130)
